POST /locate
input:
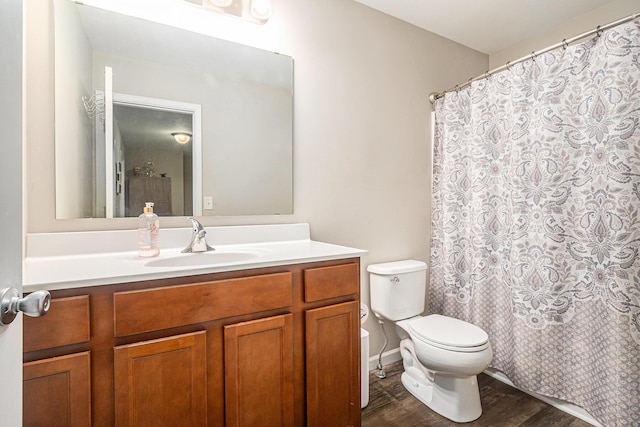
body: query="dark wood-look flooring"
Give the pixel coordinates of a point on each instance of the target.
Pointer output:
(390, 404)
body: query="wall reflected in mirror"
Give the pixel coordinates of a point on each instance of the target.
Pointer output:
(240, 155)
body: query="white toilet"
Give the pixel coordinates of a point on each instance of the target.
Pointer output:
(441, 355)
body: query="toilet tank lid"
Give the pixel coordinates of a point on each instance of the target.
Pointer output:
(397, 267)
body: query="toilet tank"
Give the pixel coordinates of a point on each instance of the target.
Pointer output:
(397, 289)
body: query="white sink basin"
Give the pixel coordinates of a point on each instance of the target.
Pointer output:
(211, 258)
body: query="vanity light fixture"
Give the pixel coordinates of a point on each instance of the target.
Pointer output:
(221, 3)
(261, 9)
(181, 137)
(256, 11)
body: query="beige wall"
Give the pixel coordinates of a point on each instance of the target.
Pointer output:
(600, 16)
(361, 126)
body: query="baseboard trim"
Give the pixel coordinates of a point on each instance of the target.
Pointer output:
(567, 407)
(393, 355)
(388, 357)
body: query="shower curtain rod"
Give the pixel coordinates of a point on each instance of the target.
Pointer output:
(564, 43)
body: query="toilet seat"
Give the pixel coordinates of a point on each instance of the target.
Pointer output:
(448, 333)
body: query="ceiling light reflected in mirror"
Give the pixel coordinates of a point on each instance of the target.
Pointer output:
(181, 137)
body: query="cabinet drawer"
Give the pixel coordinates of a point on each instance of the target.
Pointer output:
(154, 309)
(330, 282)
(67, 322)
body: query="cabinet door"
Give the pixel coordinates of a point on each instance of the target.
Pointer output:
(57, 391)
(258, 370)
(161, 382)
(333, 360)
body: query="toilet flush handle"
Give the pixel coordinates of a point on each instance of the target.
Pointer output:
(394, 279)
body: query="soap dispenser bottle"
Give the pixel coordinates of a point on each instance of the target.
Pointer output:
(148, 233)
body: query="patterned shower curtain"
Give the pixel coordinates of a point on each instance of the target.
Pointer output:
(536, 220)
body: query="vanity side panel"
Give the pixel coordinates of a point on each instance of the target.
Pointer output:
(136, 312)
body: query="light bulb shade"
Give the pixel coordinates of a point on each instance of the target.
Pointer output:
(221, 3)
(261, 9)
(181, 137)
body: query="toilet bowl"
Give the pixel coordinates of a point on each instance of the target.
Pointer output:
(441, 355)
(442, 373)
(446, 344)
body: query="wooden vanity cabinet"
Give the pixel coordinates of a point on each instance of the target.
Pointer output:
(276, 346)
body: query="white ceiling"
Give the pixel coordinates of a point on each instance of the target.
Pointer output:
(486, 25)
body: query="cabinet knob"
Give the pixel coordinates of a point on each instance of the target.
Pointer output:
(35, 304)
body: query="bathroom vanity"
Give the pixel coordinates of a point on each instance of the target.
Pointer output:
(258, 342)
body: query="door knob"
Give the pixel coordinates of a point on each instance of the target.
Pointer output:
(35, 304)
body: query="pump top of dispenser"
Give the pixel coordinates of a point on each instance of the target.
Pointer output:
(148, 207)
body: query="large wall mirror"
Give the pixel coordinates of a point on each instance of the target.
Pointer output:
(124, 87)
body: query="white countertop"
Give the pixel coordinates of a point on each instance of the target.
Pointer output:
(72, 260)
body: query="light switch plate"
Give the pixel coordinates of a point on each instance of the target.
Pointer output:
(208, 202)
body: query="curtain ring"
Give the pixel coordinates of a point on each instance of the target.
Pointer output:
(533, 55)
(565, 45)
(457, 88)
(598, 31)
(487, 75)
(508, 65)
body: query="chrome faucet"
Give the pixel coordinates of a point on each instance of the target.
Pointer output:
(198, 242)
